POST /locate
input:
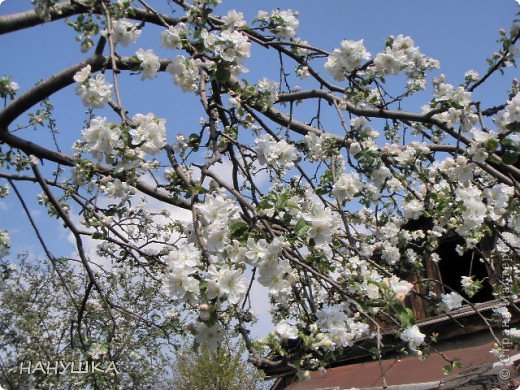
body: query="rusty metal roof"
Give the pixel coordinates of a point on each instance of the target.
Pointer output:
(413, 373)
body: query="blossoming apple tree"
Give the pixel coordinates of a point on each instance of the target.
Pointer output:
(323, 180)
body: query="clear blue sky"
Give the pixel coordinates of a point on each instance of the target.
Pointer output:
(459, 33)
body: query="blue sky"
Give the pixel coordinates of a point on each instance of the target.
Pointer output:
(461, 34)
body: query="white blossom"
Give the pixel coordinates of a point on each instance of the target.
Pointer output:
(283, 23)
(400, 287)
(180, 285)
(149, 133)
(216, 208)
(286, 330)
(510, 114)
(124, 32)
(5, 243)
(231, 46)
(277, 274)
(187, 256)
(118, 189)
(268, 91)
(451, 301)
(413, 209)
(209, 336)
(149, 63)
(413, 337)
(347, 186)
(94, 91)
(402, 55)
(173, 36)
(103, 138)
(346, 58)
(471, 75)
(83, 74)
(390, 254)
(185, 72)
(226, 283)
(323, 224)
(234, 20)
(275, 153)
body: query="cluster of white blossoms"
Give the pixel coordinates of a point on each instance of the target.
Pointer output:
(274, 272)
(473, 209)
(226, 284)
(451, 301)
(478, 149)
(347, 186)
(471, 206)
(346, 58)
(277, 275)
(179, 280)
(8, 87)
(401, 55)
(267, 93)
(124, 32)
(390, 253)
(413, 208)
(286, 330)
(5, 243)
(471, 76)
(105, 139)
(148, 133)
(315, 145)
(323, 224)
(282, 23)
(115, 188)
(210, 336)
(94, 91)
(228, 45)
(510, 114)
(413, 336)
(275, 153)
(469, 286)
(185, 72)
(231, 46)
(216, 214)
(400, 288)
(339, 329)
(497, 199)
(233, 20)
(458, 169)
(459, 100)
(172, 37)
(150, 63)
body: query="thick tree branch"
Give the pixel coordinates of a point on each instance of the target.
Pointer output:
(26, 19)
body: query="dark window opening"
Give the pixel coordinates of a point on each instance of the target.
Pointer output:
(452, 267)
(449, 270)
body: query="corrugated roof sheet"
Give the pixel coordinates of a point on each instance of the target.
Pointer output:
(412, 371)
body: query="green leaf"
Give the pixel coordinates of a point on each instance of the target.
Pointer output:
(223, 74)
(405, 314)
(492, 144)
(510, 157)
(301, 228)
(237, 228)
